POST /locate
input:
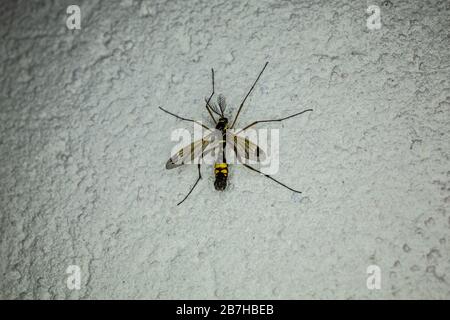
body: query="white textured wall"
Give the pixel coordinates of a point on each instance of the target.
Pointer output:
(83, 148)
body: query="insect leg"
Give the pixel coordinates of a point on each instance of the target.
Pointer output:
(185, 119)
(207, 106)
(195, 184)
(273, 120)
(256, 170)
(248, 93)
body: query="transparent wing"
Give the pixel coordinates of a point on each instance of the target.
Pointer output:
(222, 102)
(244, 148)
(213, 106)
(192, 151)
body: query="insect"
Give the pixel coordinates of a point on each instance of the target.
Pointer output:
(242, 147)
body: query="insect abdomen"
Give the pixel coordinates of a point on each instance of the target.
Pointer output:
(221, 173)
(221, 168)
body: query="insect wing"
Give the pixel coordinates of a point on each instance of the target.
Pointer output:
(213, 106)
(193, 151)
(222, 102)
(244, 148)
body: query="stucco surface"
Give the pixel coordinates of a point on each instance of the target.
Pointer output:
(83, 147)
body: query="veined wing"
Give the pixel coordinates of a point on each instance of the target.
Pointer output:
(192, 151)
(222, 102)
(213, 106)
(244, 148)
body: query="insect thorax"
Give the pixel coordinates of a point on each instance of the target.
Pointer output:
(222, 124)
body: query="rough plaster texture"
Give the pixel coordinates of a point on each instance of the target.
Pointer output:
(83, 148)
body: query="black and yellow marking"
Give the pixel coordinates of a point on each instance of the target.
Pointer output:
(221, 168)
(243, 147)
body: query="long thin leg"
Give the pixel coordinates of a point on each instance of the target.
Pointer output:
(273, 120)
(209, 99)
(212, 109)
(185, 119)
(195, 184)
(256, 170)
(248, 93)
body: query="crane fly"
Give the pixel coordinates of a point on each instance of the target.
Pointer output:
(242, 147)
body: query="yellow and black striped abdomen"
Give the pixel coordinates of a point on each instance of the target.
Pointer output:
(221, 168)
(221, 173)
